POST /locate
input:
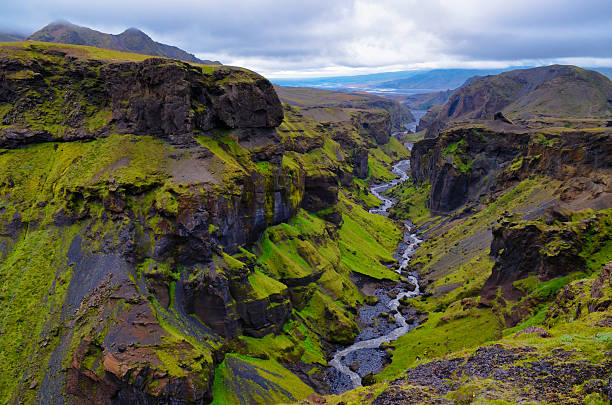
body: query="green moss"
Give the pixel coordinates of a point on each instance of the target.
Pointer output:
(35, 278)
(411, 203)
(379, 165)
(536, 318)
(395, 149)
(526, 285)
(367, 241)
(438, 337)
(364, 196)
(241, 379)
(99, 120)
(22, 75)
(265, 286)
(329, 318)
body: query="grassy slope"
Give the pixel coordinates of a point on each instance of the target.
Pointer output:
(23, 48)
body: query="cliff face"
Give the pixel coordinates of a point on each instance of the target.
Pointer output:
(62, 98)
(465, 164)
(152, 222)
(155, 189)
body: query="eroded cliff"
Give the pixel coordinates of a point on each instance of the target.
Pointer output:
(163, 224)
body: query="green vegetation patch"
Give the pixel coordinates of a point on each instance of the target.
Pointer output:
(35, 278)
(265, 286)
(441, 334)
(245, 380)
(367, 241)
(411, 202)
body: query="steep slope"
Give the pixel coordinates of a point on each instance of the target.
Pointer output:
(318, 103)
(131, 40)
(538, 97)
(171, 233)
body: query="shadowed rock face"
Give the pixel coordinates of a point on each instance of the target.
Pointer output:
(521, 251)
(461, 165)
(465, 164)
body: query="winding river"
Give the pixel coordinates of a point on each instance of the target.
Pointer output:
(350, 364)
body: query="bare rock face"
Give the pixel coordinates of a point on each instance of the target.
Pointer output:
(536, 249)
(517, 250)
(375, 125)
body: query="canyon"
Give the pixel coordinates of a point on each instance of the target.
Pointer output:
(176, 232)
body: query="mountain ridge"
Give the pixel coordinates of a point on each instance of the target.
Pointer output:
(131, 40)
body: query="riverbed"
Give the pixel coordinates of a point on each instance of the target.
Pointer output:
(381, 323)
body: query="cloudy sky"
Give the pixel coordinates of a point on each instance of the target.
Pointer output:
(290, 38)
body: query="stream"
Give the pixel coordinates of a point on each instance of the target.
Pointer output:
(350, 364)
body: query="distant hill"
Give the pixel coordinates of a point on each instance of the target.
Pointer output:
(527, 96)
(423, 101)
(442, 79)
(131, 40)
(606, 71)
(4, 37)
(315, 102)
(394, 83)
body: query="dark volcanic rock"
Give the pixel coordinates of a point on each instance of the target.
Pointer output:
(530, 249)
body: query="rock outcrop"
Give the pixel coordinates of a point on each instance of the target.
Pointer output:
(461, 164)
(69, 98)
(466, 164)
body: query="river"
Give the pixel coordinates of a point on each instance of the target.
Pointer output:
(350, 364)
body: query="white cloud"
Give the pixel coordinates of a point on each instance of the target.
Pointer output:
(319, 37)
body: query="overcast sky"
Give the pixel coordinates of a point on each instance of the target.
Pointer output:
(288, 38)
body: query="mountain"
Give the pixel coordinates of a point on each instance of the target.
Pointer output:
(344, 81)
(131, 40)
(528, 97)
(606, 71)
(4, 37)
(316, 103)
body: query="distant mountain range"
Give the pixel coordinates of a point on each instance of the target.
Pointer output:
(404, 82)
(442, 79)
(5, 37)
(131, 40)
